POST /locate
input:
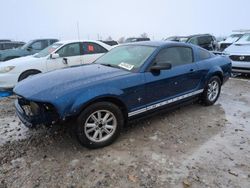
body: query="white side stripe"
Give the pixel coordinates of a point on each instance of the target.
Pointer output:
(164, 103)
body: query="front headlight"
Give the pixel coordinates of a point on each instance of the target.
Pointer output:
(6, 69)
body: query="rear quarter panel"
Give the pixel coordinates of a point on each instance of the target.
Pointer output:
(217, 65)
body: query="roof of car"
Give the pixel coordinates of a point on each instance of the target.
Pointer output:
(63, 42)
(72, 41)
(12, 42)
(198, 35)
(155, 43)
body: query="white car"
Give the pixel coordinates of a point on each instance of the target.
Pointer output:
(239, 53)
(229, 40)
(59, 55)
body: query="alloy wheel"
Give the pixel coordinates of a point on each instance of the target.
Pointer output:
(100, 126)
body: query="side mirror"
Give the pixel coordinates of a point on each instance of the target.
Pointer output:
(161, 66)
(54, 56)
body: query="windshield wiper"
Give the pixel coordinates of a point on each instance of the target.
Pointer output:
(109, 65)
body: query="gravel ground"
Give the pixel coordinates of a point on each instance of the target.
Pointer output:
(194, 146)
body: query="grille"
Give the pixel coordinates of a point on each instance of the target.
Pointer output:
(240, 58)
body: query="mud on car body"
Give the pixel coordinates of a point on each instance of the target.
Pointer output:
(126, 83)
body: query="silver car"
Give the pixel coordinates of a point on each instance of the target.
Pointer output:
(239, 53)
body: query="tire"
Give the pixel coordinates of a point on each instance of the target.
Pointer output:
(27, 74)
(212, 91)
(96, 132)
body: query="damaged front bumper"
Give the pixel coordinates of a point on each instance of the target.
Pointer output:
(33, 113)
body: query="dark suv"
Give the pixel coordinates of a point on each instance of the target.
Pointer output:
(10, 45)
(206, 41)
(32, 47)
(133, 39)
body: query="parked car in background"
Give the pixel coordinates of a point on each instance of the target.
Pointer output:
(110, 42)
(134, 39)
(206, 41)
(10, 45)
(229, 40)
(239, 53)
(175, 38)
(127, 82)
(59, 55)
(32, 47)
(5, 40)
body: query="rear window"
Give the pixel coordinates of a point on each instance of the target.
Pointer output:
(93, 48)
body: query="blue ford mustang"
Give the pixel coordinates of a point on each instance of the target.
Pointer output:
(127, 82)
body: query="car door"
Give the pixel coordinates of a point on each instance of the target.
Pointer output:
(181, 79)
(91, 51)
(69, 55)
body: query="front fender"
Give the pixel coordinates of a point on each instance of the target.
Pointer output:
(87, 96)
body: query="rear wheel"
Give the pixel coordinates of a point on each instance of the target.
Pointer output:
(99, 125)
(212, 91)
(27, 74)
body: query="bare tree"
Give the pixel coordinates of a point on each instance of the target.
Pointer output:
(109, 38)
(144, 35)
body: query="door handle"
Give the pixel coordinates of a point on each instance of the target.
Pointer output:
(65, 61)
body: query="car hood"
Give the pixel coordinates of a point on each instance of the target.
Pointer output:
(12, 52)
(53, 85)
(238, 48)
(18, 61)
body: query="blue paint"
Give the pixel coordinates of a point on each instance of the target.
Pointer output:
(70, 90)
(5, 94)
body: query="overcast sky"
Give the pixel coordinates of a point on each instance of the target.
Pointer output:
(29, 19)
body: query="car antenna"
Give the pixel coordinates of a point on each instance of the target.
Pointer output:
(78, 33)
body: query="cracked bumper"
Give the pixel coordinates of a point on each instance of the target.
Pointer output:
(32, 114)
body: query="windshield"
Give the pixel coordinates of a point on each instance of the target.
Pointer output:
(27, 45)
(130, 40)
(183, 39)
(233, 38)
(244, 38)
(127, 57)
(48, 50)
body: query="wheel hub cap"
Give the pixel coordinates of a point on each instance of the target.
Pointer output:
(213, 90)
(100, 125)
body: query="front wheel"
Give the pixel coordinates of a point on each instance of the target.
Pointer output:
(99, 125)
(212, 91)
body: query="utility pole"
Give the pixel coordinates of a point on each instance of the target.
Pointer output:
(78, 32)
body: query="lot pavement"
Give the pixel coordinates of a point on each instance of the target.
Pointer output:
(194, 146)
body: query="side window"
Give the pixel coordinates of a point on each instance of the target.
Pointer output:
(204, 54)
(39, 45)
(92, 48)
(8, 46)
(175, 56)
(69, 50)
(52, 41)
(194, 40)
